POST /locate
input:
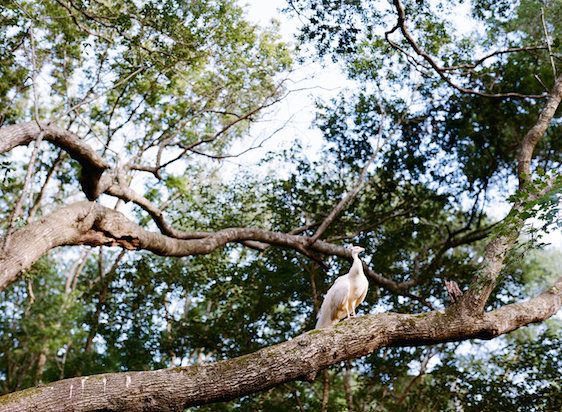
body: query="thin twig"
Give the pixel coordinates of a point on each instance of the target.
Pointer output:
(252, 147)
(541, 82)
(34, 79)
(17, 210)
(401, 24)
(96, 96)
(547, 40)
(37, 202)
(490, 55)
(358, 186)
(423, 369)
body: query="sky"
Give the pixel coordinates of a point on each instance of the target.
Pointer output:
(306, 84)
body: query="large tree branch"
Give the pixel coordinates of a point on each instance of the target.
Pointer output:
(92, 164)
(89, 223)
(301, 358)
(127, 194)
(496, 250)
(537, 132)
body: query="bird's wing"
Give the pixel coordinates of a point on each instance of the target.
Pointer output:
(337, 296)
(362, 297)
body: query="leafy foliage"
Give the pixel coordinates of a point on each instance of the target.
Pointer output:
(148, 73)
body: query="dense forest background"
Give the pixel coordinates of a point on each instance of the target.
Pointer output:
(430, 145)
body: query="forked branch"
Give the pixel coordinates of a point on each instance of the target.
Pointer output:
(92, 164)
(441, 71)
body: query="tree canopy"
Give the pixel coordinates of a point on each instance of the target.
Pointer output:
(137, 274)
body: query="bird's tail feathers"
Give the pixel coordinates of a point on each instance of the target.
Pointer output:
(324, 319)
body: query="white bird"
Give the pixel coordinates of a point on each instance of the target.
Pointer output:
(347, 292)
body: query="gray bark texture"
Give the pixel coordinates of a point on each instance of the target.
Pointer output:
(298, 359)
(89, 223)
(92, 164)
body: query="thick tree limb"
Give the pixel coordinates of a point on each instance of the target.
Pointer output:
(177, 388)
(537, 132)
(89, 223)
(496, 250)
(92, 164)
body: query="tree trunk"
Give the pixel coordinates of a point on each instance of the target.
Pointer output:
(325, 389)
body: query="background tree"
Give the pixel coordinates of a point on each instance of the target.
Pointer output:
(129, 104)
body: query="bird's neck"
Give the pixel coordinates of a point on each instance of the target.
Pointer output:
(357, 267)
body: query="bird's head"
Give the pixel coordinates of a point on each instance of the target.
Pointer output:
(355, 250)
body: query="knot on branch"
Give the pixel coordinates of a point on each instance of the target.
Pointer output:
(309, 377)
(453, 290)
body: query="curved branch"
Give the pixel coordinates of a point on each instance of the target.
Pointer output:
(537, 132)
(496, 250)
(261, 240)
(89, 223)
(129, 195)
(298, 359)
(92, 164)
(297, 242)
(493, 54)
(401, 24)
(344, 202)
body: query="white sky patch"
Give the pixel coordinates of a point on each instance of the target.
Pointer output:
(415, 365)
(294, 115)
(469, 348)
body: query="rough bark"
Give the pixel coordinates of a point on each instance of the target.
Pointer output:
(92, 164)
(494, 255)
(89, 223)
(537, 132)
(176, 388)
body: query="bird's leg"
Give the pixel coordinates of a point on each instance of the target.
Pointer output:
(353, 308)
(348, 306)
